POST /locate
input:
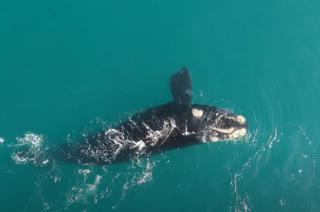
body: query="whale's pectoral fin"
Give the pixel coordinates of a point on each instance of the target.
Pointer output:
(181, 87)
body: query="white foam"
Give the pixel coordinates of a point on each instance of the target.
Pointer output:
(30, 138)
(1, 140)
(139, 145)
(146, 175)
(84, 171)
(84, 192)
(19, 160)
(93, 187)
(29, 150)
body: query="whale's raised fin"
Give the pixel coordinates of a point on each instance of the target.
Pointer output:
(181, 87)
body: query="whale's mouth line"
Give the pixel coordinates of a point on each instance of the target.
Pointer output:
(229, 126)
(224, 131)
(230, 133)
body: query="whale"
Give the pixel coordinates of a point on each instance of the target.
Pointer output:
(173, 125)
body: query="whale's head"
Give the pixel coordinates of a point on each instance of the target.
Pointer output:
(208, 123)
(205, 122)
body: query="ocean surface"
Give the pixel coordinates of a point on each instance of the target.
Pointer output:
(68, 68)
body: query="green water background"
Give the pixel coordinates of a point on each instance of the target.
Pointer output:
(63, 64)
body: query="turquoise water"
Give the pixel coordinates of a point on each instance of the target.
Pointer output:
(68, 68)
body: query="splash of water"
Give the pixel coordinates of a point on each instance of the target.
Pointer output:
(29, 149)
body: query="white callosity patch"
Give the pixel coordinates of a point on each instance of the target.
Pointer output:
(198, 113)
(238, 133)
(241, 119)
(1, 140)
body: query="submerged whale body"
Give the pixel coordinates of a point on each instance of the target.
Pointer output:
(176, 124)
